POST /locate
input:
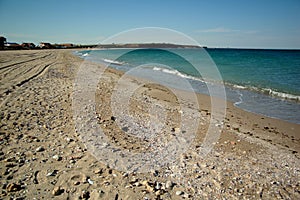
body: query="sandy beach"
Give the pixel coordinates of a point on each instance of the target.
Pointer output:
(43, 156)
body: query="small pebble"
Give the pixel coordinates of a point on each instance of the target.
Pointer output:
(57, 191)
(169, 184)
(40, 149)
(178, 193)
(56, 157)
(13, 187)
(158, 192)
(85, 194)
(76, 183)
(176, 130)
(98, 171)
(90, 181)
(157, 187)
(53, 173)
(69, 139)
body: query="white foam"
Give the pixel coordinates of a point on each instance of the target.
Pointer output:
(239, 87)
(240, 99)
(267, 91)
(113, 62)
(177, 73)
(281, 94)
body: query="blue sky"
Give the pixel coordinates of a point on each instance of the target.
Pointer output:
(214, 23)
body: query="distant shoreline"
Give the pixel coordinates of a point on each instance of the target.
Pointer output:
(16, 46)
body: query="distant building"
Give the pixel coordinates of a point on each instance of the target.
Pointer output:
(63, 46)
(67, 45)
(12, 45)
(45, 45)
(2, 42)
(27, 45)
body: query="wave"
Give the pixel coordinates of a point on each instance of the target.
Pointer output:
(113, 62)
(81, 54)
(177, 73)
(266, 91)
(281, 94)
(239, 86)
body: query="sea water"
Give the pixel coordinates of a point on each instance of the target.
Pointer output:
(266, 82)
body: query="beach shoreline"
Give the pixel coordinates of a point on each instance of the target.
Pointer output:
(268, 124)
(249, 93)
(43, 155)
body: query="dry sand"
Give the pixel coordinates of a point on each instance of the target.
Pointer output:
(43, 157)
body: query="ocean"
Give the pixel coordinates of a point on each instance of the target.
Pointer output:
(266, 82)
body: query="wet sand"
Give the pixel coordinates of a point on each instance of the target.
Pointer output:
(43, 156)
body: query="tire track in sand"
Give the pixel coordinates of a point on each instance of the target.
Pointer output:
(17, 74)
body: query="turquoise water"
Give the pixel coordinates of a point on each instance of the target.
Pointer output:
(261, 81)
(264, 70)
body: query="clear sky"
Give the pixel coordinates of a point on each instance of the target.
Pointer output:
(214, 23)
